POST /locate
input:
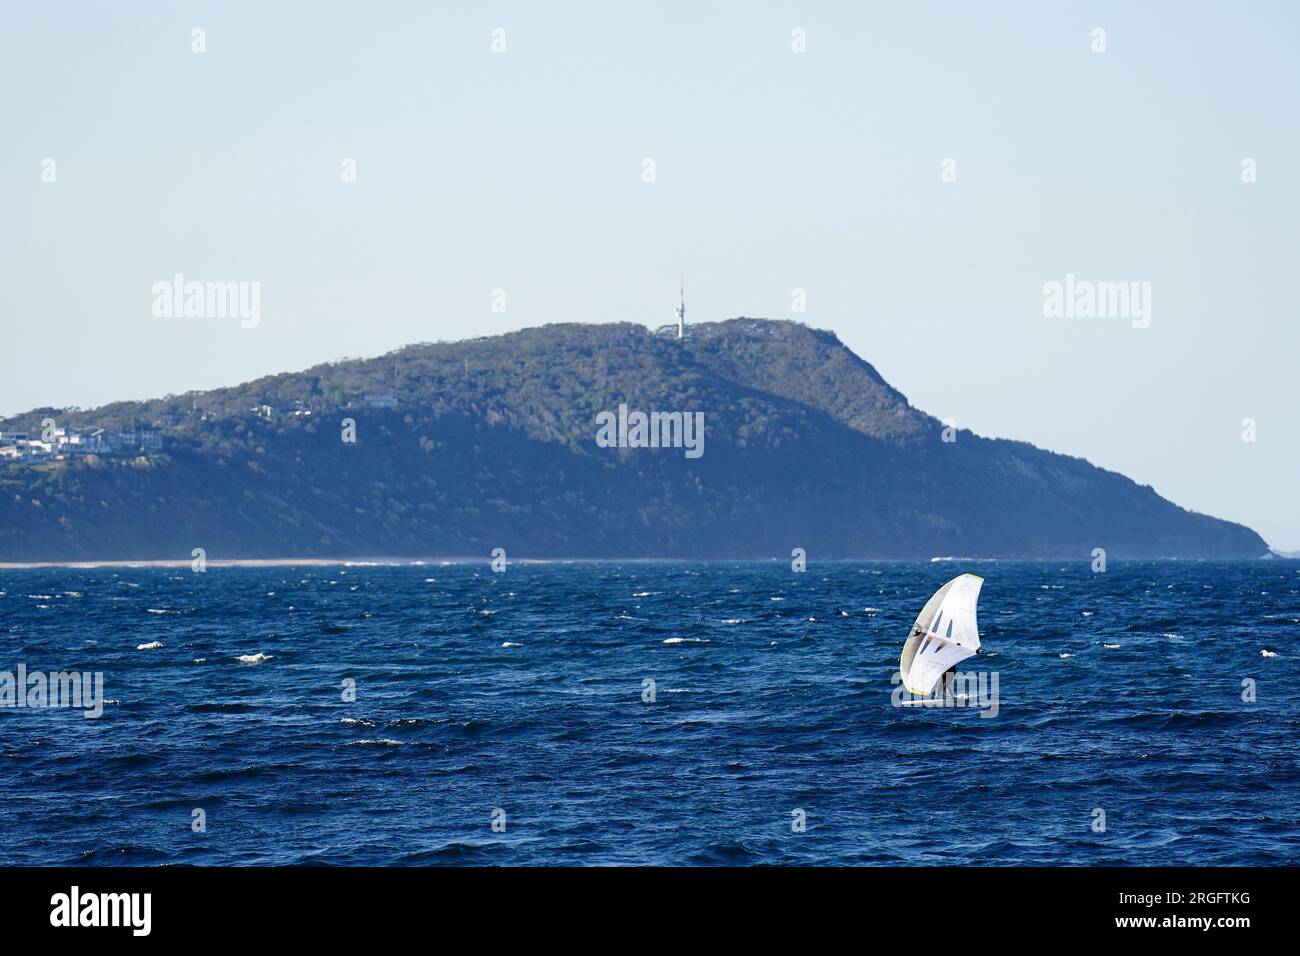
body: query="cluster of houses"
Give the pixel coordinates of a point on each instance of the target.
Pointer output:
(54, 444)
(301, 410)
(298, 410)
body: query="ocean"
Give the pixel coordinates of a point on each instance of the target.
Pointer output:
(436, 713)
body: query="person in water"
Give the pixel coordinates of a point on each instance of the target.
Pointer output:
(945, 682)
(950, 675)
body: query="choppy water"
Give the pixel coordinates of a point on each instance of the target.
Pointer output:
(523, 691)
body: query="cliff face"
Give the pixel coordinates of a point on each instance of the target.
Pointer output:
(492, 443)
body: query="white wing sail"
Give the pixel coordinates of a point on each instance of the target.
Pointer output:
(944, 635)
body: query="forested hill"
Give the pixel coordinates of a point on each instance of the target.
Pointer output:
(468, 446)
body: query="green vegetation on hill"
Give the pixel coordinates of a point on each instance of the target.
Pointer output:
(491, 443)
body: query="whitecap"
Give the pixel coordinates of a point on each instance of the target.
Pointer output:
(253, 658)
(1088, 613)
(733, 620)
(686, 640)
(1111, 647)
(1267, 653)
(510, 644)
(151, 646)
(1064, 656)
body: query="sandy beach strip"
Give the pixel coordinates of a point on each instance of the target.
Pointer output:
(240, 563)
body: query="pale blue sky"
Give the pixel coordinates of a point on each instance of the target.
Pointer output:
(776, 170)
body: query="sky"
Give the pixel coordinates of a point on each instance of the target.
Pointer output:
(795, 146)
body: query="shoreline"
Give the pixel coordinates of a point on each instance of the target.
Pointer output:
(181, 563)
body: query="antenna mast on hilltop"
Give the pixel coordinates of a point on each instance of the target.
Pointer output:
(681, 313)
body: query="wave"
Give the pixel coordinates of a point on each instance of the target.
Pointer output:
(773, 700)
(228, 707)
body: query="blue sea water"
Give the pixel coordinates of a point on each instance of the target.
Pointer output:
(523, 692)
